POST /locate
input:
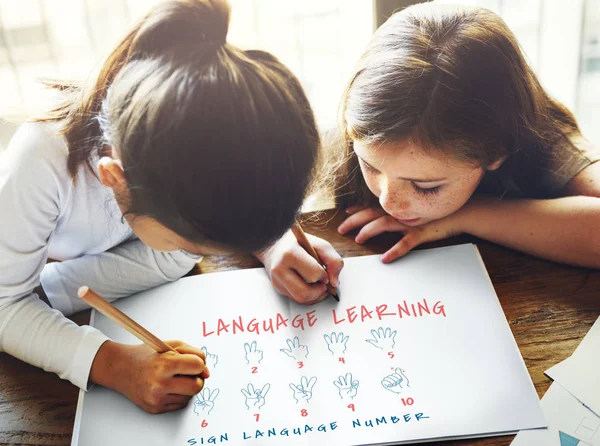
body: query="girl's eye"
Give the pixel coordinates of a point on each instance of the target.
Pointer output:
(426, 191)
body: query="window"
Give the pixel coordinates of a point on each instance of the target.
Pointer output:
(562, 43)
(320, 40)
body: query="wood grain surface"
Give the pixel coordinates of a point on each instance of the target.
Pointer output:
(550, 308)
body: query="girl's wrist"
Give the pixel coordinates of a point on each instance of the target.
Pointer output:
(471, 214)
(108, 368)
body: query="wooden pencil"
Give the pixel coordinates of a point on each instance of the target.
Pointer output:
(304, 243)
(123, 320)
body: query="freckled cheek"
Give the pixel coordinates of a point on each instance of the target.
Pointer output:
(372, 183)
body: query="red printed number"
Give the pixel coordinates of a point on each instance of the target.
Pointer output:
(300, 364)
(408, 401)
(304, 412)
(391, 355)
(342, 360)
(204, 423)
(257, 416)
(351, 406)
(254, 369)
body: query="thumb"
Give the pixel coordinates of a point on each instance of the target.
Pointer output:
(331, 259)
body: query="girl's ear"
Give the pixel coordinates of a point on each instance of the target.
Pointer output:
(497, 163)
(112, 175)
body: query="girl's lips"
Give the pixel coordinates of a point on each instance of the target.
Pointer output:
(411, 220)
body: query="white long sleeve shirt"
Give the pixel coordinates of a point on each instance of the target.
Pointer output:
(43, 214)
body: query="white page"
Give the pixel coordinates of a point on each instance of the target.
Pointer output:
(580, 374)
(458, 366)
(564, 414)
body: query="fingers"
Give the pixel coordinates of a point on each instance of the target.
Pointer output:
(287, 352)
(291, 284)
(408, 242)
(360, 218)
(185, 385)
(185, 364)
(173, 407)
(330, 257)
(379, 226)
(354, 209)
(182, 347)
(265, 389)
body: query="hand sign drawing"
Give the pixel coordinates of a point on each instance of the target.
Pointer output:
(255, 397)
(383, 339)
(253, 354)
(295, 349)
(336, 343)
(211, 360)
(303, 391)
(396, 382)
(205, 401)
(348, 388)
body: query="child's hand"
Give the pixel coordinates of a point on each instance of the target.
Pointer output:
(374, 221)
(156, 382)
(295, 274)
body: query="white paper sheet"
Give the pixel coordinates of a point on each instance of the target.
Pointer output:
(580, 374)
(416, 350)
(565, 414)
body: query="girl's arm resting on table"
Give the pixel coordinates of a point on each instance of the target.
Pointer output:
(32, 184)
(565, 230)
(33, 332)
(30, 191)
(121, 271)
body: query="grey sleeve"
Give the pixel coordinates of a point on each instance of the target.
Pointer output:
(123, 270)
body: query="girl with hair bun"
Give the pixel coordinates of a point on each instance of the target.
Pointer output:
(181, 145)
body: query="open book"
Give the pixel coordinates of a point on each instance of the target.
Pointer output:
(415, 350)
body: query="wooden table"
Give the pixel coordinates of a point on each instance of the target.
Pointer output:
(550, 308)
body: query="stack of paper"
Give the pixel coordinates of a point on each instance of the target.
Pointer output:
(572, 403)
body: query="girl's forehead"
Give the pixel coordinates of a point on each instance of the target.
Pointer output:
(405, 158)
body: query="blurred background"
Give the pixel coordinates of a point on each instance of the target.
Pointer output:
(320, 40)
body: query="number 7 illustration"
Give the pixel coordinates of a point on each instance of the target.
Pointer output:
(255, 397)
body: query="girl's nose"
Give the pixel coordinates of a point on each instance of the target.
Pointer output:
(392, 199)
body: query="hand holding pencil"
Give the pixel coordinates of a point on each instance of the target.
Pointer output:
(303, 267)
(158, 376)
